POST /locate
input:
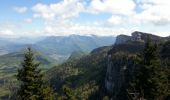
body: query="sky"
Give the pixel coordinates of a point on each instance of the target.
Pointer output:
(83, 17)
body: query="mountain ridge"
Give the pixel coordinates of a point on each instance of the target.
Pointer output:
(109, 68)
(140, 37)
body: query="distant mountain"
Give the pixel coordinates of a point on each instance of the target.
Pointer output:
(67, 44)
(63, 46)
(57, 47)
(9, 45)
(9, 63)
(76, 55)
(20, 40)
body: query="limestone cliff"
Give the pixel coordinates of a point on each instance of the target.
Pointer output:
(140, 37)
(119, 71)
(122, 39)
(121, 62)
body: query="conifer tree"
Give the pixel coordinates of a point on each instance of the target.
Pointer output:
(69, 94)
(32, 86)
(152, 79)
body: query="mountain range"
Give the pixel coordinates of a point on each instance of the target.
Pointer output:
(50, 51)
(57, 47)
(101, 66)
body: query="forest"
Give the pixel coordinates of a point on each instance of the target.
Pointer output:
(129, 71)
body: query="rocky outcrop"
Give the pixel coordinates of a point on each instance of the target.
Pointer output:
(121, 67)
(136, 36)
(140, 37)
(114, 77)
(122, 39)
(120, 70)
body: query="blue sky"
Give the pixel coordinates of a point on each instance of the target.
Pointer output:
(83, 17)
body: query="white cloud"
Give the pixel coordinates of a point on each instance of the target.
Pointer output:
(123, 7)
(123, 16)
(115, 20)
(62, 10)
(28, 20)
(57, 16)
(68, 28)
(154, 11)
(20, 9)
(6, 32)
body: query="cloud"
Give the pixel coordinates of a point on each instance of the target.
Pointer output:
(68, 28)
(57, 16)
(115, 17)
(115, 20)
(62, 10)
(28, 20)
(154, 12)
(6, 32)
(20, 9)
(122, 7)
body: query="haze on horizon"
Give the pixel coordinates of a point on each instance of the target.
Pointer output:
(83, 17)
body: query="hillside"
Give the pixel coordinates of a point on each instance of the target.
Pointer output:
(76, 55)
(57, 47)
(10, 63)
(106, 71)
(88, 71)
(50, 51)
(9, 45)
(63, 46)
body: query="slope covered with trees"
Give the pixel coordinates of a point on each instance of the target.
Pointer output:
(89, 77)
(133, 70)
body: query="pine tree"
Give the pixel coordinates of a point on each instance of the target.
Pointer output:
(152, 79)
(32, 86)
(69, 94)
(166, 57)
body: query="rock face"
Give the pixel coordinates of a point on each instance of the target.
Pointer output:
(119, 71)
(136, 36)
(140, 37)
(114, 77)
(122, 39)
(120, 62)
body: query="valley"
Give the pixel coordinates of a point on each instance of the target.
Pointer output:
(49, 51)
(103, 70)
(84, 50)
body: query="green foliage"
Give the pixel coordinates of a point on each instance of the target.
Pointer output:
(68, 93)
(31, 81)
(166, 60)
(152, 78)
(88, 71)
(46, 93)
(79, 93)
(85, 91)
(106, 98)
